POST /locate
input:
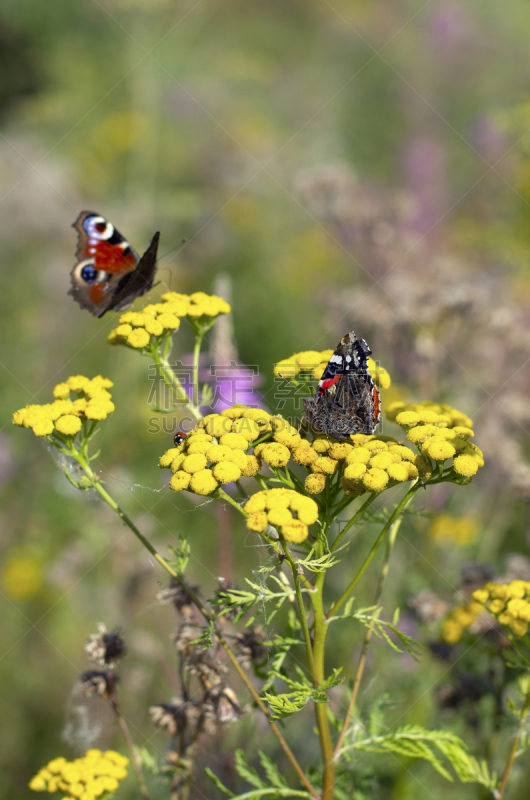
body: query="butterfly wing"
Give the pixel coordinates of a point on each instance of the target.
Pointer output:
(104, 257)
(137, 282)
(346, 400)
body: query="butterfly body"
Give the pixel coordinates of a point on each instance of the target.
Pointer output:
(346, 400)
(108, 274)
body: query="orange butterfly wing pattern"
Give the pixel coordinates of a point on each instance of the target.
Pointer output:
(108, 274)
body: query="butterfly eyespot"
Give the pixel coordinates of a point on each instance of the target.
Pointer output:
(100, 226)
(89, 273)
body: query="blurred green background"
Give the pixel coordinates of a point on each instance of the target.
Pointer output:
(348, 164)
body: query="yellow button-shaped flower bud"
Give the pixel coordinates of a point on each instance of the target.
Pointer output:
(517, 588)
(339, 450)
(180, 481)
(226, 472)
(275, 454)
(69, 425)
(169, 321)
(258, 502)
(499, 591)
(360, 438)
(518, 627)
(462, 432)
(198, 446)
(239, 458)
(61, 391)
(287, 368)
(295, 532)
(376, 446)
(325, 465)
(234, 412)
(306, 508)
(496, 606)
(420, 433)
(279, 516)
(216, 425)
(354, 472)
(165, 461)
(258, 522)
(465, 465)
(440, 450)
(398, 472)
(407, 419)
(43, 427)
(404, 452)
(314, 484)
(218, 453)
(138, 338)
(359, 455)
(481, 595)
(381, 460)
(248, 428)
(251, 468)
(194, 463)
(154, 327)
(375, 479)
(203, 482)
(412, 470)
(321, 445)
(305, 455)
(234, 441)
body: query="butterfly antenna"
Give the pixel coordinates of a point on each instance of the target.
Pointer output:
(175, 249)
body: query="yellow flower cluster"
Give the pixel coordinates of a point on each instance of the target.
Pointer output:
(369, 463)
(214, 453)
(64, 415)
(459, 620)
(440, 433)
(157, 320)
(455, 530)
(313, 363)
(277, 507)
(84, 778)
(509, 602)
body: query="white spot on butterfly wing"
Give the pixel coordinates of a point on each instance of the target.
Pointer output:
(335, 359)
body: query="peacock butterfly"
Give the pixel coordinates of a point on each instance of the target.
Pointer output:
(108, 274)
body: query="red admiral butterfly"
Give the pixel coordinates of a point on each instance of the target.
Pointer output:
(109, 274)
(346, 400)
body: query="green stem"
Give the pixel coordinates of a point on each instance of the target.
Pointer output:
(362, 658)
(205, 613)
(375, 547)
(515, 746)
(301, 607)
(352, 521)
(172, 382)
(196, 357)
(319, 648)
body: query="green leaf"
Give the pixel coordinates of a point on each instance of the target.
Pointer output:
(413, 741)
(213, 777)
(271, 771)
(181, 555)
(205, 640)
(319, 564)
(283, 705)
(369, 617)
(147, 760)
(246, 772)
